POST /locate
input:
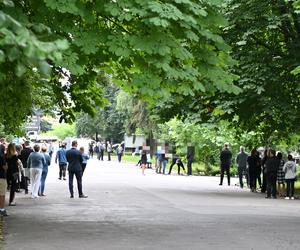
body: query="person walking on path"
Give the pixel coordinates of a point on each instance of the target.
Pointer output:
(102, 149)
(36, 162)
(85, 158)
(263, 167)
(45, 171)
(253, 166)
(225, 158)
(109, 151)
(190, 157)
(280, 176)
(74, 159)
(3, 185)
(289, 170)
(91, 150)
(143, 161)
(61, 158)
(272, 166)
(241, 161)
(26, 151)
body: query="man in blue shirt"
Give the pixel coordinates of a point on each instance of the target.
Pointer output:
(62, 161)
(74, 159)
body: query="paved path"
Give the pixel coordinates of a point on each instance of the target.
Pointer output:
(126, 210)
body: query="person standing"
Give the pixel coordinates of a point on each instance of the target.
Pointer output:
(280, 176)
(62, 161)
(263, 167)
(102, 148)
(241, 161)
(109, 150)
(36, 162)
(289, 170)
(12, 161)
(85, 158)
(225, 158)
(91, 150)
(119, 152)
(272, 165)
(253, 166)
(26, 151)
(50, 149)
(190, 157)
(3, 185)
(74, 159)
(45, 171)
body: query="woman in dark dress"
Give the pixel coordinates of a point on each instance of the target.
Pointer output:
(253, 165)
(12, 161)
(143, 161)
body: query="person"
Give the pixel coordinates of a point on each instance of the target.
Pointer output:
(3, 185)
(253, 166)
(280, 176)
(91, 150)
(263, 167)
(241, 161)
(102, 148)
(143, 161)
(225, 158)
(62, 161)
(190, 158)
(36, 162)
(163, 164)
(85, 158)
(119, 152)
(2, 147)
(74, 159)
(289, 170)
(109, 150)
(97, 150)
(26, 151)
(176, 160)
(44, 171)
(12, 161)
(272, 165)
(50, 149)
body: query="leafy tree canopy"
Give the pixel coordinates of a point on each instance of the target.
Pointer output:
(150, 48)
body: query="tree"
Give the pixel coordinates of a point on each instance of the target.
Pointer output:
(264, 36)
(153, 49)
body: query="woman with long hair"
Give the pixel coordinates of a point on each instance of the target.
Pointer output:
(253, 164)
(12, 161)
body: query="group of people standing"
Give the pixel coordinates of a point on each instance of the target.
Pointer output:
(18, 165)
(100, 147)
(274, 170)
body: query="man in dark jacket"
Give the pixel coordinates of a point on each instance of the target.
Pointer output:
(26, 151)
(225, 158)
(272, 165)
(74, 159)
(190, 158)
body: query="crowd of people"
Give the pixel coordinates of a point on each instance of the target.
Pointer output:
(23, 165)
(269, 171)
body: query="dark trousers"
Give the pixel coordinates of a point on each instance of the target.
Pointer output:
(179, 165)
(43, 180)
(258, 174)
(252, 177)
(62, 170)
(264, 182)
(223, 169)
(101, 155)
(13, 188)
(78, 175)
(119, 157)
(271, 184)
(290, 186)
(243, 172)
(98, 156)
(108, 154)
(189, 168)
(83, 165)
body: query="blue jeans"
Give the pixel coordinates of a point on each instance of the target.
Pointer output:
(43, 179)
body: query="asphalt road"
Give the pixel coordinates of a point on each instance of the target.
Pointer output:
(126, 210)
